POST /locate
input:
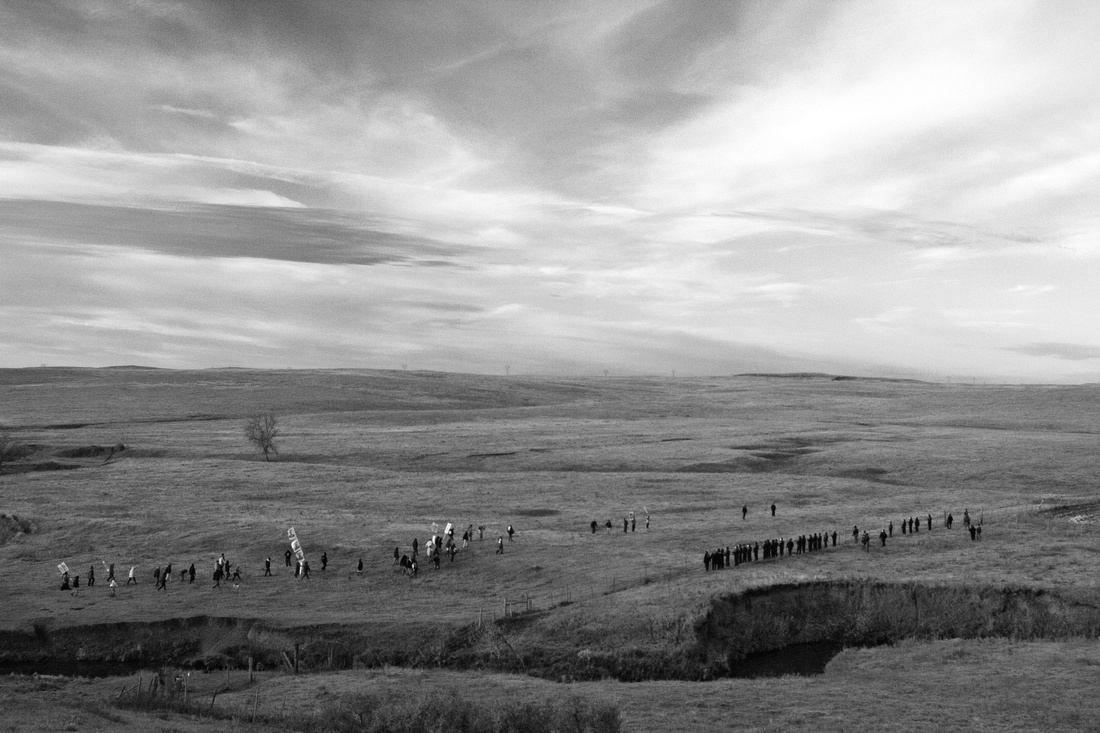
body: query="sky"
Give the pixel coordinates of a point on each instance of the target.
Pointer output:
(896, 189)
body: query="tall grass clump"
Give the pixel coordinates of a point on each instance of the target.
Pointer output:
(446, 712)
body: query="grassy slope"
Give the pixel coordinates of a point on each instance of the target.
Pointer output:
(371, 459)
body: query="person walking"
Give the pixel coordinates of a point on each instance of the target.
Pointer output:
(512, 532)
(744, 512)
(773, 510)
(359, 569)
(132, 578)
(287, 555)
(191, 574)
(305, 570)
(91, 576)
(267, 567)
(500, 545)
(324, 561)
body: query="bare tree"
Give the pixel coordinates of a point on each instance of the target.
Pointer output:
(261, 431)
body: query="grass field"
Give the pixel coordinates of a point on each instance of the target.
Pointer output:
(369, 460)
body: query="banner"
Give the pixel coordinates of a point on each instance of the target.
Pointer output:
(63, 568)
(295, 545)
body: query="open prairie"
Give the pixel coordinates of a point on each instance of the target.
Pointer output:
(369, 460)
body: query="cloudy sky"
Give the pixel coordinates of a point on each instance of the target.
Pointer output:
(895, 189)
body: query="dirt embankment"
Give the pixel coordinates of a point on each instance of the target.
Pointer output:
(207, 642)
(735, 627)
(864, 613)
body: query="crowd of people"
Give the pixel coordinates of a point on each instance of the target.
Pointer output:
(744, 552)
(444, 545)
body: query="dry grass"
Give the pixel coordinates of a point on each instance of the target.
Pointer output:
(372, 459)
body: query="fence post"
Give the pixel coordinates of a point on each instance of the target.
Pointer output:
(251, 679)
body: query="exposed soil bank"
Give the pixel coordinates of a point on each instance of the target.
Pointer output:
(866, 613)
(786, 629)
(207, 642)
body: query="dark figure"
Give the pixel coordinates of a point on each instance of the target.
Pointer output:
(162, 580)
(647, 523)
(773, 510)
(633, 522)
(979, 530)
(903, 526)
(156, 574)
(500, 545)
(855, 533)
(359, 569)
(297, 568)
(452, 551)
(594, 525)
(882, 537)
(726, 560)
(305, 570)
(168, 572)
(790, 546)
(267, 567)
(237, 575)
(65, 582)
(834, 538)
(110, 572)
(756, 551)
(744, 512)
(324, 561)
(950, 521)
(416, 547)
(916, 525)
(866, 541)
(191, 574)
(607, 524)
(891, 528)
(624, 527)
(287, 556)
(966, 517)
(218, 576)
(414, 568)
(91, 576)
(512, 532)
(396, 555)
(706, 567)
(929, 522)
(480, 531)
(973, 532)
(76, 582)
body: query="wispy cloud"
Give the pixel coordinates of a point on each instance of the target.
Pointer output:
(879, 184)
